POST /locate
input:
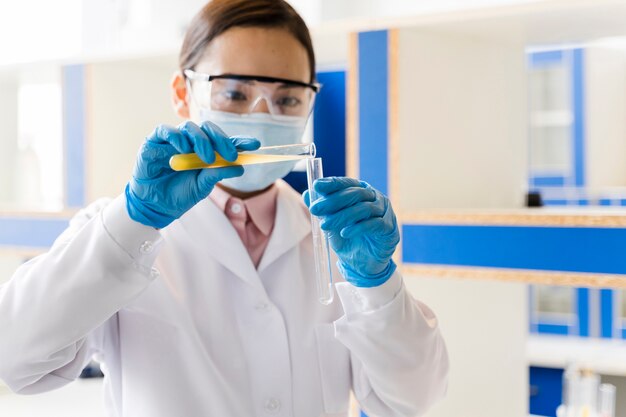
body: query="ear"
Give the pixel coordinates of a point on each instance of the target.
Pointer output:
(179, 95)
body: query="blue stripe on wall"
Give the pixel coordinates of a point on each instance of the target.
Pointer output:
(373, 106)
(545, 58)
(547, 202)
(561, 329)
(329, 128)
(329, 122)
(582, 301)
(30, 233)
(606, 313)
(590, 250)
(74, 124)
(578, 104)
(556, 181)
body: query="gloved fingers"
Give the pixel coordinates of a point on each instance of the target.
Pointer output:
(351, 215)
(207, 178)
(245, 143)
(164, 134)
(222, 144)
(306, 196)
(329, 185)
(339, 200)
(371, 226)
(199, 141)
(153, 159)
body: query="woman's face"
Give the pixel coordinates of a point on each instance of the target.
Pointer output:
(266, 52)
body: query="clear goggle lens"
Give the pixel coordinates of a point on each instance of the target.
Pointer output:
(249, 96)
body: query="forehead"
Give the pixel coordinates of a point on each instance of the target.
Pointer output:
(271, 52)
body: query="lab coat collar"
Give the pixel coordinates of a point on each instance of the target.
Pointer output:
(209, 229)
(292, 224)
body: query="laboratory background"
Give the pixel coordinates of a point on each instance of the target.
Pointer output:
(496, 127)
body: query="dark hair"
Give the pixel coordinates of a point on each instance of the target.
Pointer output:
(217, 16)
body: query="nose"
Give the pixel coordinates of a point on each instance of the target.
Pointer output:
(261, 106)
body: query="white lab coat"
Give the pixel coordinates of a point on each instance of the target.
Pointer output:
(184, 324)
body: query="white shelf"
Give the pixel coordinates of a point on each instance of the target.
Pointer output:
(604, 356)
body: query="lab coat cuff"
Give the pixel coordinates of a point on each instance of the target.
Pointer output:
(139, 241)
(360, 299)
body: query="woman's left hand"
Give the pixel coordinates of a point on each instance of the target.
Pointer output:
(361, 226)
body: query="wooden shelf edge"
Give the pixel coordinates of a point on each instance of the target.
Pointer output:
(514, 275)
(532, 217)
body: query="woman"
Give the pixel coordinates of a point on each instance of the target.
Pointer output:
(201, 306)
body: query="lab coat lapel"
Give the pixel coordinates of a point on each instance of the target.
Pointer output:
(214, 235)
(292, 224)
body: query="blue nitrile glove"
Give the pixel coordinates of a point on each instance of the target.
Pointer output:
(361, 226)
(157, 195)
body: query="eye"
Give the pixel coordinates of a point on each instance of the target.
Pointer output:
(288, 101)
(234, 95)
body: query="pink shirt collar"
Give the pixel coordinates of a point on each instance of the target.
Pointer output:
(261, 208)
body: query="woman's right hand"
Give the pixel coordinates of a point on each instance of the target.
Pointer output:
(156, 195)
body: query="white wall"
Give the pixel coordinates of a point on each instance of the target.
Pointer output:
(126, 101)
(605, 107)
(330, 10)
(8, 138)
(483, 324)
(462, 145)
(462, 121)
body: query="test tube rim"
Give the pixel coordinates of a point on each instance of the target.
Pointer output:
(311, 146)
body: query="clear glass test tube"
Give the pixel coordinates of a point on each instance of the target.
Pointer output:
(606, 401)
(263, 155)
(321, 246)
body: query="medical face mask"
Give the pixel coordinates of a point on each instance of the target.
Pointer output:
(271, 131)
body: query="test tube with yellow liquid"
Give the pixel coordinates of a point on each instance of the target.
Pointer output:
(281, 153)
(263, 155)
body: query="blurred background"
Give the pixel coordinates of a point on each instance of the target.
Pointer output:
(500, 106)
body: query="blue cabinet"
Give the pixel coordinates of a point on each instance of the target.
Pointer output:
(559, 310)
(546, 387)
(557, 125)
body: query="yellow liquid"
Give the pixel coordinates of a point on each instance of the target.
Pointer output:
(184, 162)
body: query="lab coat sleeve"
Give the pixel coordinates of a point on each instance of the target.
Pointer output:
(398, 356)
(54, 309)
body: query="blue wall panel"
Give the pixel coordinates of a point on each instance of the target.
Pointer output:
(594, 250)
(578, 109)
(545, 58)
(329, 122)
(329, 128)
(30, 233)
(561, 329)
(582, 306)
(606, 313)
(74, 125)
(373, 108)
(556, 181)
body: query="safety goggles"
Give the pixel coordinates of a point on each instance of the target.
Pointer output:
(242, 94)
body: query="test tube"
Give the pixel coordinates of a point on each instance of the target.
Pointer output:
(263, 155)
(606, 402)
(321, 246)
